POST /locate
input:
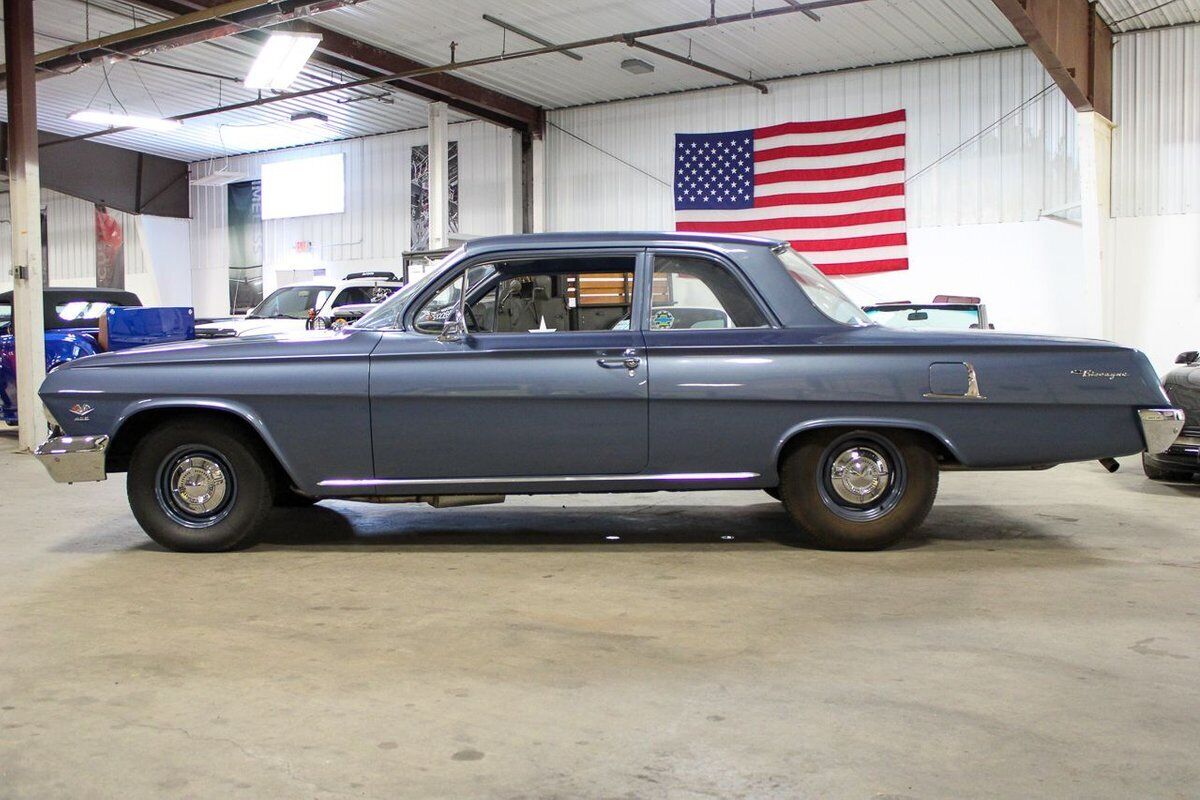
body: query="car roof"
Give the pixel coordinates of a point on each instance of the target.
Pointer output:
(618, 238)
(55, 293)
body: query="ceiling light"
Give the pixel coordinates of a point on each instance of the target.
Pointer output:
(637, 66)
(114, 119)
(280, 60)
(310, 118)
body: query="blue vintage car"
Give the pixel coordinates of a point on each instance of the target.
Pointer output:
(579, 363)
(74, 319)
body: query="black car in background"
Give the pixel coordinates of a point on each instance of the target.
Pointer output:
(1182, 460)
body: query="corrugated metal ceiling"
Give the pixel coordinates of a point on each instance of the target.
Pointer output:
(1133, 15)
(143, 88)
(866, 33)
(872, 32)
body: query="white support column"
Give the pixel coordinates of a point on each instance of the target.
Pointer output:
(538, 155)
(439, 178)
(1094, 133)
(26, 214)
(516, 180)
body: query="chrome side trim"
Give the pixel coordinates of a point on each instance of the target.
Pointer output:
(674, 477)
(73, 459)
(972, 392)
(1160, 426)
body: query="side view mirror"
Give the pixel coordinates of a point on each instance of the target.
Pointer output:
(1187, 357)
(455, 327)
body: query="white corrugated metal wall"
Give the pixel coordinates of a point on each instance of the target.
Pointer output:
(375, 226)
(1156, 191)
(71, 227)
(1011, 173)
(1156, 144)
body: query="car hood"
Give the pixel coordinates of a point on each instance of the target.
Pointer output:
(295, 344)
(243, 326)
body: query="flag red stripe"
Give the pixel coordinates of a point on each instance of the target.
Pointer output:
(829, 126)
(835, 149)
(830, 173)
(853, 243)
(860, 267)
(847, 196)
(782, 223)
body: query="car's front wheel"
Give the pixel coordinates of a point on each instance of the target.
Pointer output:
(199, 486)
(859, 489)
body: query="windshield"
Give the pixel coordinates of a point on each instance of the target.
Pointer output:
(386, 314)
(5, 315)
(926, 317)
(291, 302)
(828, 299)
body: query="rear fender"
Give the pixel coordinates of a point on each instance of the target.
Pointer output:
(864, 422)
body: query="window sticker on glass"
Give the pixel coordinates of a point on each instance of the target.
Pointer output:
(662, 319)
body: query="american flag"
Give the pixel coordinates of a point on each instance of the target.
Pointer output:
(833, 188)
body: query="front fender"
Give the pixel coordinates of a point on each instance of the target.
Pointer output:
(131, 411)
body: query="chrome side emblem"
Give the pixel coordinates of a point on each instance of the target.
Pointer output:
(81, 410)
(1091, 373)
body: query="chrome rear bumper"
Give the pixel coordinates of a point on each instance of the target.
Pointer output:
(1160, 427)
(73, 459)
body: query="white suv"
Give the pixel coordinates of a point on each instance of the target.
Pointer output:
(291, 308)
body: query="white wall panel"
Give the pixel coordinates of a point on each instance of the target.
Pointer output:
(374, 229)
(1011, 173)
(1156, 143)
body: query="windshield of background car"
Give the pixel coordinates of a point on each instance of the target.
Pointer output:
(291, 302)
(386, 315)
(5, 316)
(356, 295)
(916, 317)
(83, 313)
(828, 299)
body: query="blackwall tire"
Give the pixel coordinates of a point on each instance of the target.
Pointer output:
(885, 484)
(1157, 473)
(200, 486)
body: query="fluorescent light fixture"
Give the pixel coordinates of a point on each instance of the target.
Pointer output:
(221, 177)
(637, 66)
(113, 119)
(310, 118)
(280, 60)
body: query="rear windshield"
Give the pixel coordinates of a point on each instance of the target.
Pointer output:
(81, 313)
(828, 299)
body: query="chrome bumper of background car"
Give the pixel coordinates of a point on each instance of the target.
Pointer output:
(1160, 427)
(73, 459)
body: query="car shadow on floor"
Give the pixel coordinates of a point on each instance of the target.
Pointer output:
(658, 526)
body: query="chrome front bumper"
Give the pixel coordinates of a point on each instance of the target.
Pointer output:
(1160, 427)
(73, 459)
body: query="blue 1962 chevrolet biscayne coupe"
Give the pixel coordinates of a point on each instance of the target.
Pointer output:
(601, 362)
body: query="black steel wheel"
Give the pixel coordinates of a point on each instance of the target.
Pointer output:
(858, 489)
(199, 486)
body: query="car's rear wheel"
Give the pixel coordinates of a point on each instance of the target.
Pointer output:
(199, 487)
(858, 489)
(1156, 473)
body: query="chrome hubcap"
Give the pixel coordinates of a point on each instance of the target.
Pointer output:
(197, 485)
(860, 475)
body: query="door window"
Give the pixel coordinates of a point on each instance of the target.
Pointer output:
(697, 293)
(543, 295)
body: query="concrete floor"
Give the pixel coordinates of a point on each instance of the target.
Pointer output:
(1040, 638)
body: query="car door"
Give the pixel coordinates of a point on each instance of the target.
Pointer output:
(547, 382)
(716, 356)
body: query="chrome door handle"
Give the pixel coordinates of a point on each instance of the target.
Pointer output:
(629, 360)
